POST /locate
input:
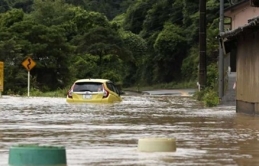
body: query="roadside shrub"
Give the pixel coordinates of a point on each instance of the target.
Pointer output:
(208, 96)
(198, 95)
(35, 92)
(56, 93)
(211, 99)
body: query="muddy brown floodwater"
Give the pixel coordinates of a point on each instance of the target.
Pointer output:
(103, 135)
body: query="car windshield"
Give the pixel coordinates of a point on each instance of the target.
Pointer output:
(88, 86)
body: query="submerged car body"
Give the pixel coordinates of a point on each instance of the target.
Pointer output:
(93, 91)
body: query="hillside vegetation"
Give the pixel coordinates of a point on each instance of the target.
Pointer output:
(131, 42)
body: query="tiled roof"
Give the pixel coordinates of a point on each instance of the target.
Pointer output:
(252, 23)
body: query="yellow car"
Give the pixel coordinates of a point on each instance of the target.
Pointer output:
(93, 91)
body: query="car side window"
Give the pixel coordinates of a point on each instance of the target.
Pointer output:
(116, 89)
(113, 88)
(109, 85)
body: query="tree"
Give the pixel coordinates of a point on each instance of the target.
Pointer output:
(136, 15)
(48, 46)
(52, 51)
(11, 50)
(102, 42)
(85, 20)
(49, 12)
(161, 12)
(148, 41)
(84, 66)
(109, 8)
(138, 47)
(12, 16)
(170, 47)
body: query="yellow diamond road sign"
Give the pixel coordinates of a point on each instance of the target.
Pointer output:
(1, 76)
(28, 63)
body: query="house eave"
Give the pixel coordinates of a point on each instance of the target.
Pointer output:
(235, 5)
(233, 33)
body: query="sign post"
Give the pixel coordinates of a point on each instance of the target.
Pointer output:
(1, 78)
(28, 63)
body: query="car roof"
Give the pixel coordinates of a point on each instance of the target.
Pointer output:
(92, 80)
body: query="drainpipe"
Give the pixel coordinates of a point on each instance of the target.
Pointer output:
(221, 58)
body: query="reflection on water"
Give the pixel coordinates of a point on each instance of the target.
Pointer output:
(108, 134)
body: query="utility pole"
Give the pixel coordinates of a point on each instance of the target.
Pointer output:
(202, 44)
(221, 58)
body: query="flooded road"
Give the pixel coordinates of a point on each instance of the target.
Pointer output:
(103, 135)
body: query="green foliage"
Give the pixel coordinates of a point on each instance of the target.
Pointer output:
(156, 16)
(85, 66)
(147, 42)
(117, 22)
(101, 41)
(170, 45)
(49, 12)
(135, 43)
(212, 42)
(9, 18)
(136, 14)
(208, 96)
(189, 68)
(56, 93)
(109, 8)
(85, 20)
(112, 75)
(212, 74)
(46, 45)
(170, 42)
(113, 68)
(50, 50)
(198, 95)
(138, 47)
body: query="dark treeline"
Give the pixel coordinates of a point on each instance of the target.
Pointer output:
(131, 42)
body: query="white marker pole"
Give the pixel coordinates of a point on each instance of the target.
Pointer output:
(28, 83)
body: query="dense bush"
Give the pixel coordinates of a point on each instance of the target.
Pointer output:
(208, 96)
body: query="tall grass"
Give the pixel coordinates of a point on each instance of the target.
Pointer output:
(56, 93)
